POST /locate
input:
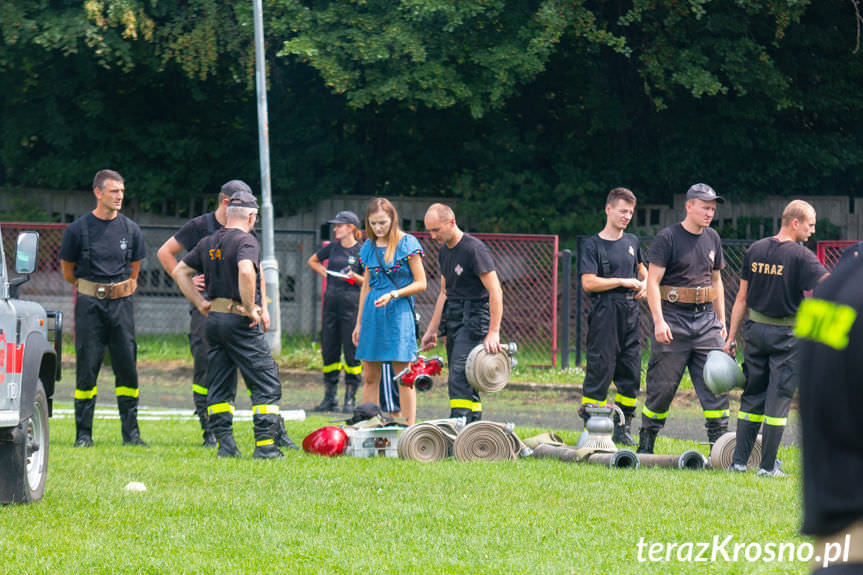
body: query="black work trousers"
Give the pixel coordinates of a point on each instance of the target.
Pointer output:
(234, 345)
(696, 331)
(102, 324)
(200, 348)
(613, 350)
(337, 327)
(466, 325)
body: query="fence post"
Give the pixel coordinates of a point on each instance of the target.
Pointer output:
(579, 298)
(565, 305)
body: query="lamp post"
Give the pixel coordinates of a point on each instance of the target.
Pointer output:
(269, 264)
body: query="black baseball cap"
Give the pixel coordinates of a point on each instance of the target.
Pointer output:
(703, 192)
(243, 200)
(345, 217)
(232, 187)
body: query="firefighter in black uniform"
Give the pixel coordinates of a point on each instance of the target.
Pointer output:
(776, 272)
(229, 261)
(101, 255)
(687, 302)
(830, 328)
(341, 301)
(613, 274)
(187, 238)
(468, 309)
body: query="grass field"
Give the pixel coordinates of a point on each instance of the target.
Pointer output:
(308, 514)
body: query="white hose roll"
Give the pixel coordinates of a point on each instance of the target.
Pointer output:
(488, 372)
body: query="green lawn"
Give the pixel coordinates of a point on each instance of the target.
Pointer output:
(308, 514)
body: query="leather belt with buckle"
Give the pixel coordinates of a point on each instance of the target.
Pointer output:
(697, 295)
(226, 305)
(107, 291)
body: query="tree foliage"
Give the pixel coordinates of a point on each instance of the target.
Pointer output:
(527, 111)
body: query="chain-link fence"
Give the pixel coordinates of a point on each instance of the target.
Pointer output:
(527, 267)
(830, 251)
(160, 308)
(733, 251)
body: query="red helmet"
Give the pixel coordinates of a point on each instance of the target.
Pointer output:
(327, 441)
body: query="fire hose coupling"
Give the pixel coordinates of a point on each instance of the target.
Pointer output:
(419, 373)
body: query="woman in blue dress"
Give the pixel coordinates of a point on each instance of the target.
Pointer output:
(385, 329)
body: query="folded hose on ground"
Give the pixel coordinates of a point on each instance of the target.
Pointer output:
(488, 441)
(691, 459)
(428, 441)
(722, 452)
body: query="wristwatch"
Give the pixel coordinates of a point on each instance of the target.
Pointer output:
(394, 294)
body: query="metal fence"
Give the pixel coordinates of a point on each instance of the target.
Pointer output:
(830, 251)
(733, 250)
(527, 265)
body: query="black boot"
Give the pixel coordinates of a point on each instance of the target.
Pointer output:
(129, 421)
(330, 402)
(227, 446)
(281, 436)
(266, 430)
(646, 439)
(208, 436)
(747, 432)
(622, 433)
(350, 398)
(84, 409)
(715, 430)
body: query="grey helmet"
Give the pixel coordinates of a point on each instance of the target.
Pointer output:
(722, 373)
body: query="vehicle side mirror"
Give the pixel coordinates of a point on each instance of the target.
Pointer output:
(25, 256)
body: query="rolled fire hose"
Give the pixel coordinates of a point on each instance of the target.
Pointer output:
(722, 452)
(489, 372)
(488, 441)
(428, 441)
(691, 459)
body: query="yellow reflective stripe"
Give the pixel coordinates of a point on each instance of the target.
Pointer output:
(715, 413)
(86, 393)
(776, 421)
(753, 417)
(265, 409)
(264, 442)
(653, 414)
(586, 399)
(355, 370)
(624, 400)
(220, 408)
(199, 390)
(825, 322)
(331, 367)
(127, 392)
(466, 404)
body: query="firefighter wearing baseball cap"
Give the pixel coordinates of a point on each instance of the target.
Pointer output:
(687, 303)
(830, 331)
(613, 273)
(469, 306)
(776, 272)
(229, 260)
(101, 255)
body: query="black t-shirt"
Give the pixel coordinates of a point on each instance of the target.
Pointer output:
(688, 259)
(778, 273)
(622, 256)
(852, 252)
(461, 267)
(216, 256)
(830, 328)
(109, 241)
(338, 258)
(197, 229)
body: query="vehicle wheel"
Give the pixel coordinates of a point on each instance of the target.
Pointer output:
(24, 455)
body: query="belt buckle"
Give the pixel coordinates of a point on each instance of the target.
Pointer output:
(673, 296)
(101, 292)
(698, 292)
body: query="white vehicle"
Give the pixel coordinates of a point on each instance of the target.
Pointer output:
(29, 367)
